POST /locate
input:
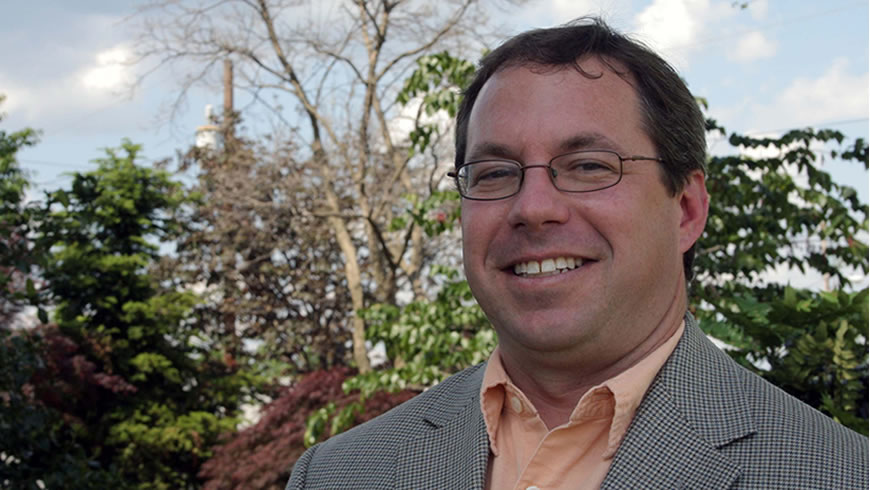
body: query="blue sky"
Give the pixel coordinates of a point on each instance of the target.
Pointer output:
(775, 65)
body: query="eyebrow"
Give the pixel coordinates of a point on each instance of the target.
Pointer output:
(580, 141)
(588, 140)
(490, 150)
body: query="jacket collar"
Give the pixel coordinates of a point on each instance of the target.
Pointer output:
(453, 452)
(694, 406)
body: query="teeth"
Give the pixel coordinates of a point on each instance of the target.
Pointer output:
(547, 266)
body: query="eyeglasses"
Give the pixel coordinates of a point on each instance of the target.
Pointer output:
(578, 171)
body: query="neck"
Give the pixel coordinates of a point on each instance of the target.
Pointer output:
(556, 383)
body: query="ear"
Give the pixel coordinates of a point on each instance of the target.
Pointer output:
(694, 204)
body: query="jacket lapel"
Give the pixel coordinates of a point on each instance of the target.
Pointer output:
(693, 407)
(454, 451)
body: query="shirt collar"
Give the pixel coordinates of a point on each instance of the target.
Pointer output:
(627, 390)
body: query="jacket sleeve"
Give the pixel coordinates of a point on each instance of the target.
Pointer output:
(300, 470)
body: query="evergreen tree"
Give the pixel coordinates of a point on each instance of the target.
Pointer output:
(140, 394)
(39, 447)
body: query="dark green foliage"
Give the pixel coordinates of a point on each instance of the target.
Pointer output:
(161, 401)
(39, 444)
(17, 254)
(815, 345)
(119, 389)
(781, 210)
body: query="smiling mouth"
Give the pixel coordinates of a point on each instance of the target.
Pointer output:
(547, 267)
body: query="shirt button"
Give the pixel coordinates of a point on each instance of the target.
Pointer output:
(517, 405)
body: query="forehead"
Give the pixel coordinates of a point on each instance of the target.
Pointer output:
(534, 108)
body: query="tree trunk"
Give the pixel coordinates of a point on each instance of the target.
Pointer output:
(354, 285)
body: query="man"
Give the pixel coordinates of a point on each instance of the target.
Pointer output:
(580, 161)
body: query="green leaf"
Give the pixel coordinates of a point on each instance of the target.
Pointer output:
(42, 315)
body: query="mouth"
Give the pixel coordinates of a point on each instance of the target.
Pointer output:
(547, 267)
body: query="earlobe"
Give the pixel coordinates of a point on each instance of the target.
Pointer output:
(694, 204)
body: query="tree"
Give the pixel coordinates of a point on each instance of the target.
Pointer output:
(340, 81)
(270, 272)
(137, 391)
(17, 254)
(39, 446)
(782, 210)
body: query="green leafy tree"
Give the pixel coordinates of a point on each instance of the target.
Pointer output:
(39, 448)
(140, 395)
(17, 254)
(782, 210)
(427, 339)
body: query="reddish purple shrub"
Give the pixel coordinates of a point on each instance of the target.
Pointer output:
(261, 456)
(68, 381)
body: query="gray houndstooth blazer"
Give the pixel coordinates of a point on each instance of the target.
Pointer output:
(704, 423)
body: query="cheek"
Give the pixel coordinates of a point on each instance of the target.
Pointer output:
(640, 231)
(471, 224)
(478, 222)
(656, 236)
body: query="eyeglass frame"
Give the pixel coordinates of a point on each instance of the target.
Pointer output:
(454, 174)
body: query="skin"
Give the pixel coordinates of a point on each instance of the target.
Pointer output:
(562, 334)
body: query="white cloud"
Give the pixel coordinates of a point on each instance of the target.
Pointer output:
(566, 10)
(753, 46)
(673, 27)
(111, 71)
(76, 93)
(758, 9)
(667, 24)
(834, 96)
(676, 29)
(545, 13)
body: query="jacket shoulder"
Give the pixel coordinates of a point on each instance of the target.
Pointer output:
(365, 456)
(706, 422)
(777, 440)
(795, 440)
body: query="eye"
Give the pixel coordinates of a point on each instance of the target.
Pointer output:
(490, 173)
(586, 166)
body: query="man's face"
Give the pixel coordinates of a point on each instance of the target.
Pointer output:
(626, 241)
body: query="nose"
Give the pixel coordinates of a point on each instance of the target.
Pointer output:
(539, 203)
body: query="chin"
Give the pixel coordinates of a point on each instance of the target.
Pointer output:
(548, 336)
